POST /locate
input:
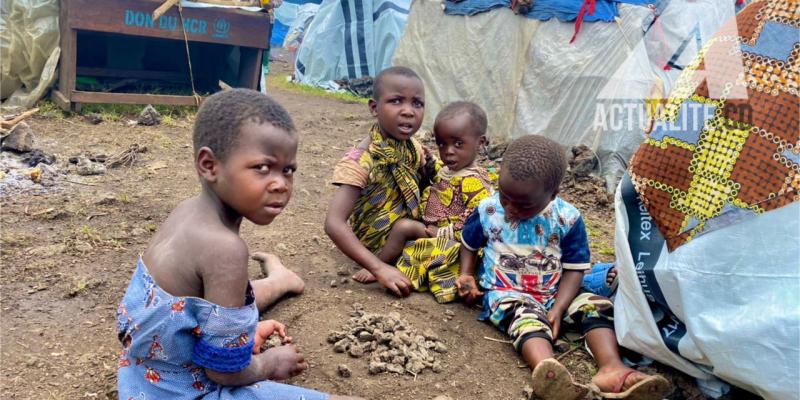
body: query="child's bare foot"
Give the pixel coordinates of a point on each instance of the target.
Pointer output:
(625, 383)
(552, 381)
(364, 276)
(279, 281)
(284, 362)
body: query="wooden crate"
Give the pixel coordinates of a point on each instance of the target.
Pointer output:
(229, 26)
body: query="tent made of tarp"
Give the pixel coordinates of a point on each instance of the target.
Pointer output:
(530, 79)
(350, 39)
(29, 50)
(707, 228)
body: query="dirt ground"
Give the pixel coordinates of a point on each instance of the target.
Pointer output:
(67, 257)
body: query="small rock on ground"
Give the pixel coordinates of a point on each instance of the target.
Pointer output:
(86, 167)
(93, 118)
(149, 116)
(19, 139)
(343, 371)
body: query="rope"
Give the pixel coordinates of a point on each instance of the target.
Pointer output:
(618, 21)
(196, 96)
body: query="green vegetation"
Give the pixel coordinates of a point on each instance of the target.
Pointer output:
(48, 109)
(115, 112)
(280, 81)
(170, 115)
(607, 251)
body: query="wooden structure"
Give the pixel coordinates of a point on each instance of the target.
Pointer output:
(228, 26)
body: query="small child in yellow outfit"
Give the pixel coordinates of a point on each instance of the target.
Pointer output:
(427, 251)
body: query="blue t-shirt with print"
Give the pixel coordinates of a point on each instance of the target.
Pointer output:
(527, 256)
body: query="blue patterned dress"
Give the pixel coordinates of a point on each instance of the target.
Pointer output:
(168, 342)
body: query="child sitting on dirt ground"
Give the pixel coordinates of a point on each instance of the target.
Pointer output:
(430, 259)
(535, 250)
(188, 322)
(379, 180)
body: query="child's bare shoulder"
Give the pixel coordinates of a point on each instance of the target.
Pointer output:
(199, 238)
(219, 259)
(219, 246)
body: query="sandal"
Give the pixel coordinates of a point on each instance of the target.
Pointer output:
(552, 381)
(595, 281)
(654, 387)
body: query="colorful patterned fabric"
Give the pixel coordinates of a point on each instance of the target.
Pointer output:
(388, 173)
(526, 256)
(167, 342)
(453, 195)
(726, 146)
(432, 263)
(522, 317)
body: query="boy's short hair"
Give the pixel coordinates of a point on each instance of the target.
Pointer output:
(536, 158)
(222, 115)
(398, 70)
(475, 112)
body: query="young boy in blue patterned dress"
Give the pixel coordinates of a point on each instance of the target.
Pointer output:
(188, 322)
(535, 251)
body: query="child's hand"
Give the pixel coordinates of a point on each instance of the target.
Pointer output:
(431, 231)
(265, 329)
(394, 280)
(554, 317)
(284, 362)
(467, 288)
(429, 166)
(427, 154)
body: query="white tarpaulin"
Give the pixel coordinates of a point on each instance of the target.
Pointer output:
(29, 50)
(480, 59)
(350, 39)
(725, 303)
(530, 79)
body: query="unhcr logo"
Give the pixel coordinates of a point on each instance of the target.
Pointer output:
(222, 28)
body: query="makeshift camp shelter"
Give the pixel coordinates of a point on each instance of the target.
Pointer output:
(28, 57)
(532, 73)
(530, 79)
(286, 15)
(708, 227)
(350, 39)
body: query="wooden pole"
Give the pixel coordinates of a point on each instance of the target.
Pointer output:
(10, 123)
(163, 8)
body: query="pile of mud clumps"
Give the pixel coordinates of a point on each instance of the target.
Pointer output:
(389, 342)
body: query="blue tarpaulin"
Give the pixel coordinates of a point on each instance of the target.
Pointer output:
(544, 10)
(279, 29)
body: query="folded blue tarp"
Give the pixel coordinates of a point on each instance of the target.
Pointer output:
(279, 28)
(543, 10)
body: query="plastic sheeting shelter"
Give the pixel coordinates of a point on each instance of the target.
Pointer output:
(29, 50)
(350, 39)
(529, 79)
(708, 217)
(284, 17)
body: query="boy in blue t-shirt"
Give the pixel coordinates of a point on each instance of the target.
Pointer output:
(535, 252)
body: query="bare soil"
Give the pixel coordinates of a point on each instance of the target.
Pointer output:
(67, 256)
